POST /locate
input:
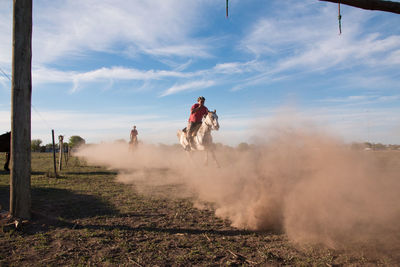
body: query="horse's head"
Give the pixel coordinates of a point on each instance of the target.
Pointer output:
(212, 120)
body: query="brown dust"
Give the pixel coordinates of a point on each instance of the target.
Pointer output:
(298, 180)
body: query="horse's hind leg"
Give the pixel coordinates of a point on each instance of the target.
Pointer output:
(7, 161)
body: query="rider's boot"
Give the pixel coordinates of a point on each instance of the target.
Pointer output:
(190, 143)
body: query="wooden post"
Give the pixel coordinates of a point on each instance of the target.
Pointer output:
(66, 154)
(61, 152)
(54, 154)
(21, 97)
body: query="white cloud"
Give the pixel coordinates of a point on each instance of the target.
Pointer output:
(312, 43)
(196, 50)
(394, 58)
(121, 73)
(46, 75)
(5, 34)
(190, 86)
(110, 74)
(63, 29)
(231, 68)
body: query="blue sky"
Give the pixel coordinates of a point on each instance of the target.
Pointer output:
(100, 67)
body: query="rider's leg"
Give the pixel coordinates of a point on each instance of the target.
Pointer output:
(193, 128)
(189, 131)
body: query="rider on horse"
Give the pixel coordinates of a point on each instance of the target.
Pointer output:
(134, 134)
(197, 112)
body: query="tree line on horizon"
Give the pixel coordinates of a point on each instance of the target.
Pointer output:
(73, 142)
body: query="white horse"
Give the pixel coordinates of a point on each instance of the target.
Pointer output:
(203, 139)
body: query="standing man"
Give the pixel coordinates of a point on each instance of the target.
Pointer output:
(197, 112)
(134, 134)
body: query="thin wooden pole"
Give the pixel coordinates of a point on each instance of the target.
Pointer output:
(66, 154)
(54, 154)
(61, 152)
(21, 97)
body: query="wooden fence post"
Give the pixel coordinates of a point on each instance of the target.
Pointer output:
(66, 154)
(54, 155)
(61, 151)
(21, 97)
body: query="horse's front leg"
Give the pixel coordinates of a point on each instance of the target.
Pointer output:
(7, 161)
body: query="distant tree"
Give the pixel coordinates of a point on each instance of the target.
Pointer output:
(42, 149)
(358, 146)
(368, 145)
(75, 141)
(379, 146)
(394, 147)
(49, 147)
(35, 145)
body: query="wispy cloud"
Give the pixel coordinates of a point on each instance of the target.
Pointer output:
(193, 50)
(190, 86)
(113, 74)
(309, 43)
(46, 75)
(157, 27)
(127, 74)
(238, 67)
(5, 33)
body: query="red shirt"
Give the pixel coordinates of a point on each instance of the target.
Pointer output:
(198, 115)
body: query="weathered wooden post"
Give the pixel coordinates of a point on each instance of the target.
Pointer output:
(66, 154)
(21, 97)
(54, 154)
(61, 152)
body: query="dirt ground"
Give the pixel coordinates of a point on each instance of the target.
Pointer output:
(87, 218)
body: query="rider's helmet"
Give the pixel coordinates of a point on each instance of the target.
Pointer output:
(201, 98)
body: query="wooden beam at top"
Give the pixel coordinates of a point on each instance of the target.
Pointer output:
(388, 6)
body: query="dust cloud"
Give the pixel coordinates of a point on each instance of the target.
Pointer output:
(297, 179)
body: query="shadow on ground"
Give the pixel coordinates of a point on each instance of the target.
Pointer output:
(54, 207)
(69, 205)
(91, 173)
